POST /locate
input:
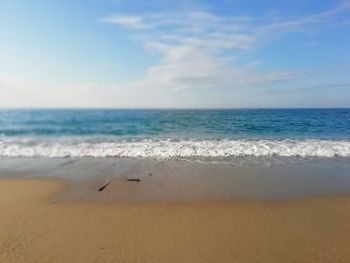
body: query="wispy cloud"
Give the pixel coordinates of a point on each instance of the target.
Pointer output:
(303, 23)
(199, 49)
(128, 21)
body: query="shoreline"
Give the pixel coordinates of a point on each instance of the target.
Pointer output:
(175, 180)
(37, 228)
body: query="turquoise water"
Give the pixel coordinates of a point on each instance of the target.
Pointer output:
(175, 133)
(313, 123)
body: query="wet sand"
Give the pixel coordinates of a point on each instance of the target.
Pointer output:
(37, 225)
(179, 180)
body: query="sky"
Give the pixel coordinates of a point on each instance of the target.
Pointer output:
(174, 53)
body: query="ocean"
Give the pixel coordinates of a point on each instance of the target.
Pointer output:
(168, 134)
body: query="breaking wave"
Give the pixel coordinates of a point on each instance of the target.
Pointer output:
(170, 148)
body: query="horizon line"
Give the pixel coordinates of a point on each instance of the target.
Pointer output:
(171, 108)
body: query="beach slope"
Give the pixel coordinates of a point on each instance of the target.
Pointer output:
(35, 227)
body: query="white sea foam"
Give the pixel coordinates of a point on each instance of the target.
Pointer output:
(167, 148)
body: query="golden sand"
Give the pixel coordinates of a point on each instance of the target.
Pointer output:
(34, 228)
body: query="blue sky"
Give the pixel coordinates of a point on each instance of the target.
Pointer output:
(174, 54)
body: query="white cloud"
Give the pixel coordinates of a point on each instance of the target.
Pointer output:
(301, 24)
(194, 47)
(128, 21)
(193, 69)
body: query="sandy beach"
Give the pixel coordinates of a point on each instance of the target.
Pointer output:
(186, 131)
(35, 227)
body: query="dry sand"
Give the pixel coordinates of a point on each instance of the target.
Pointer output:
(36, 228)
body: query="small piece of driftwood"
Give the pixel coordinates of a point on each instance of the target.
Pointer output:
(104, 186)
(134, 180)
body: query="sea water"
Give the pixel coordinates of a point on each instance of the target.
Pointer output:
(164, 134)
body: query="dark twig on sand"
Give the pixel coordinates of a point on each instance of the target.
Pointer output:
(134, 180)
(104, 186)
